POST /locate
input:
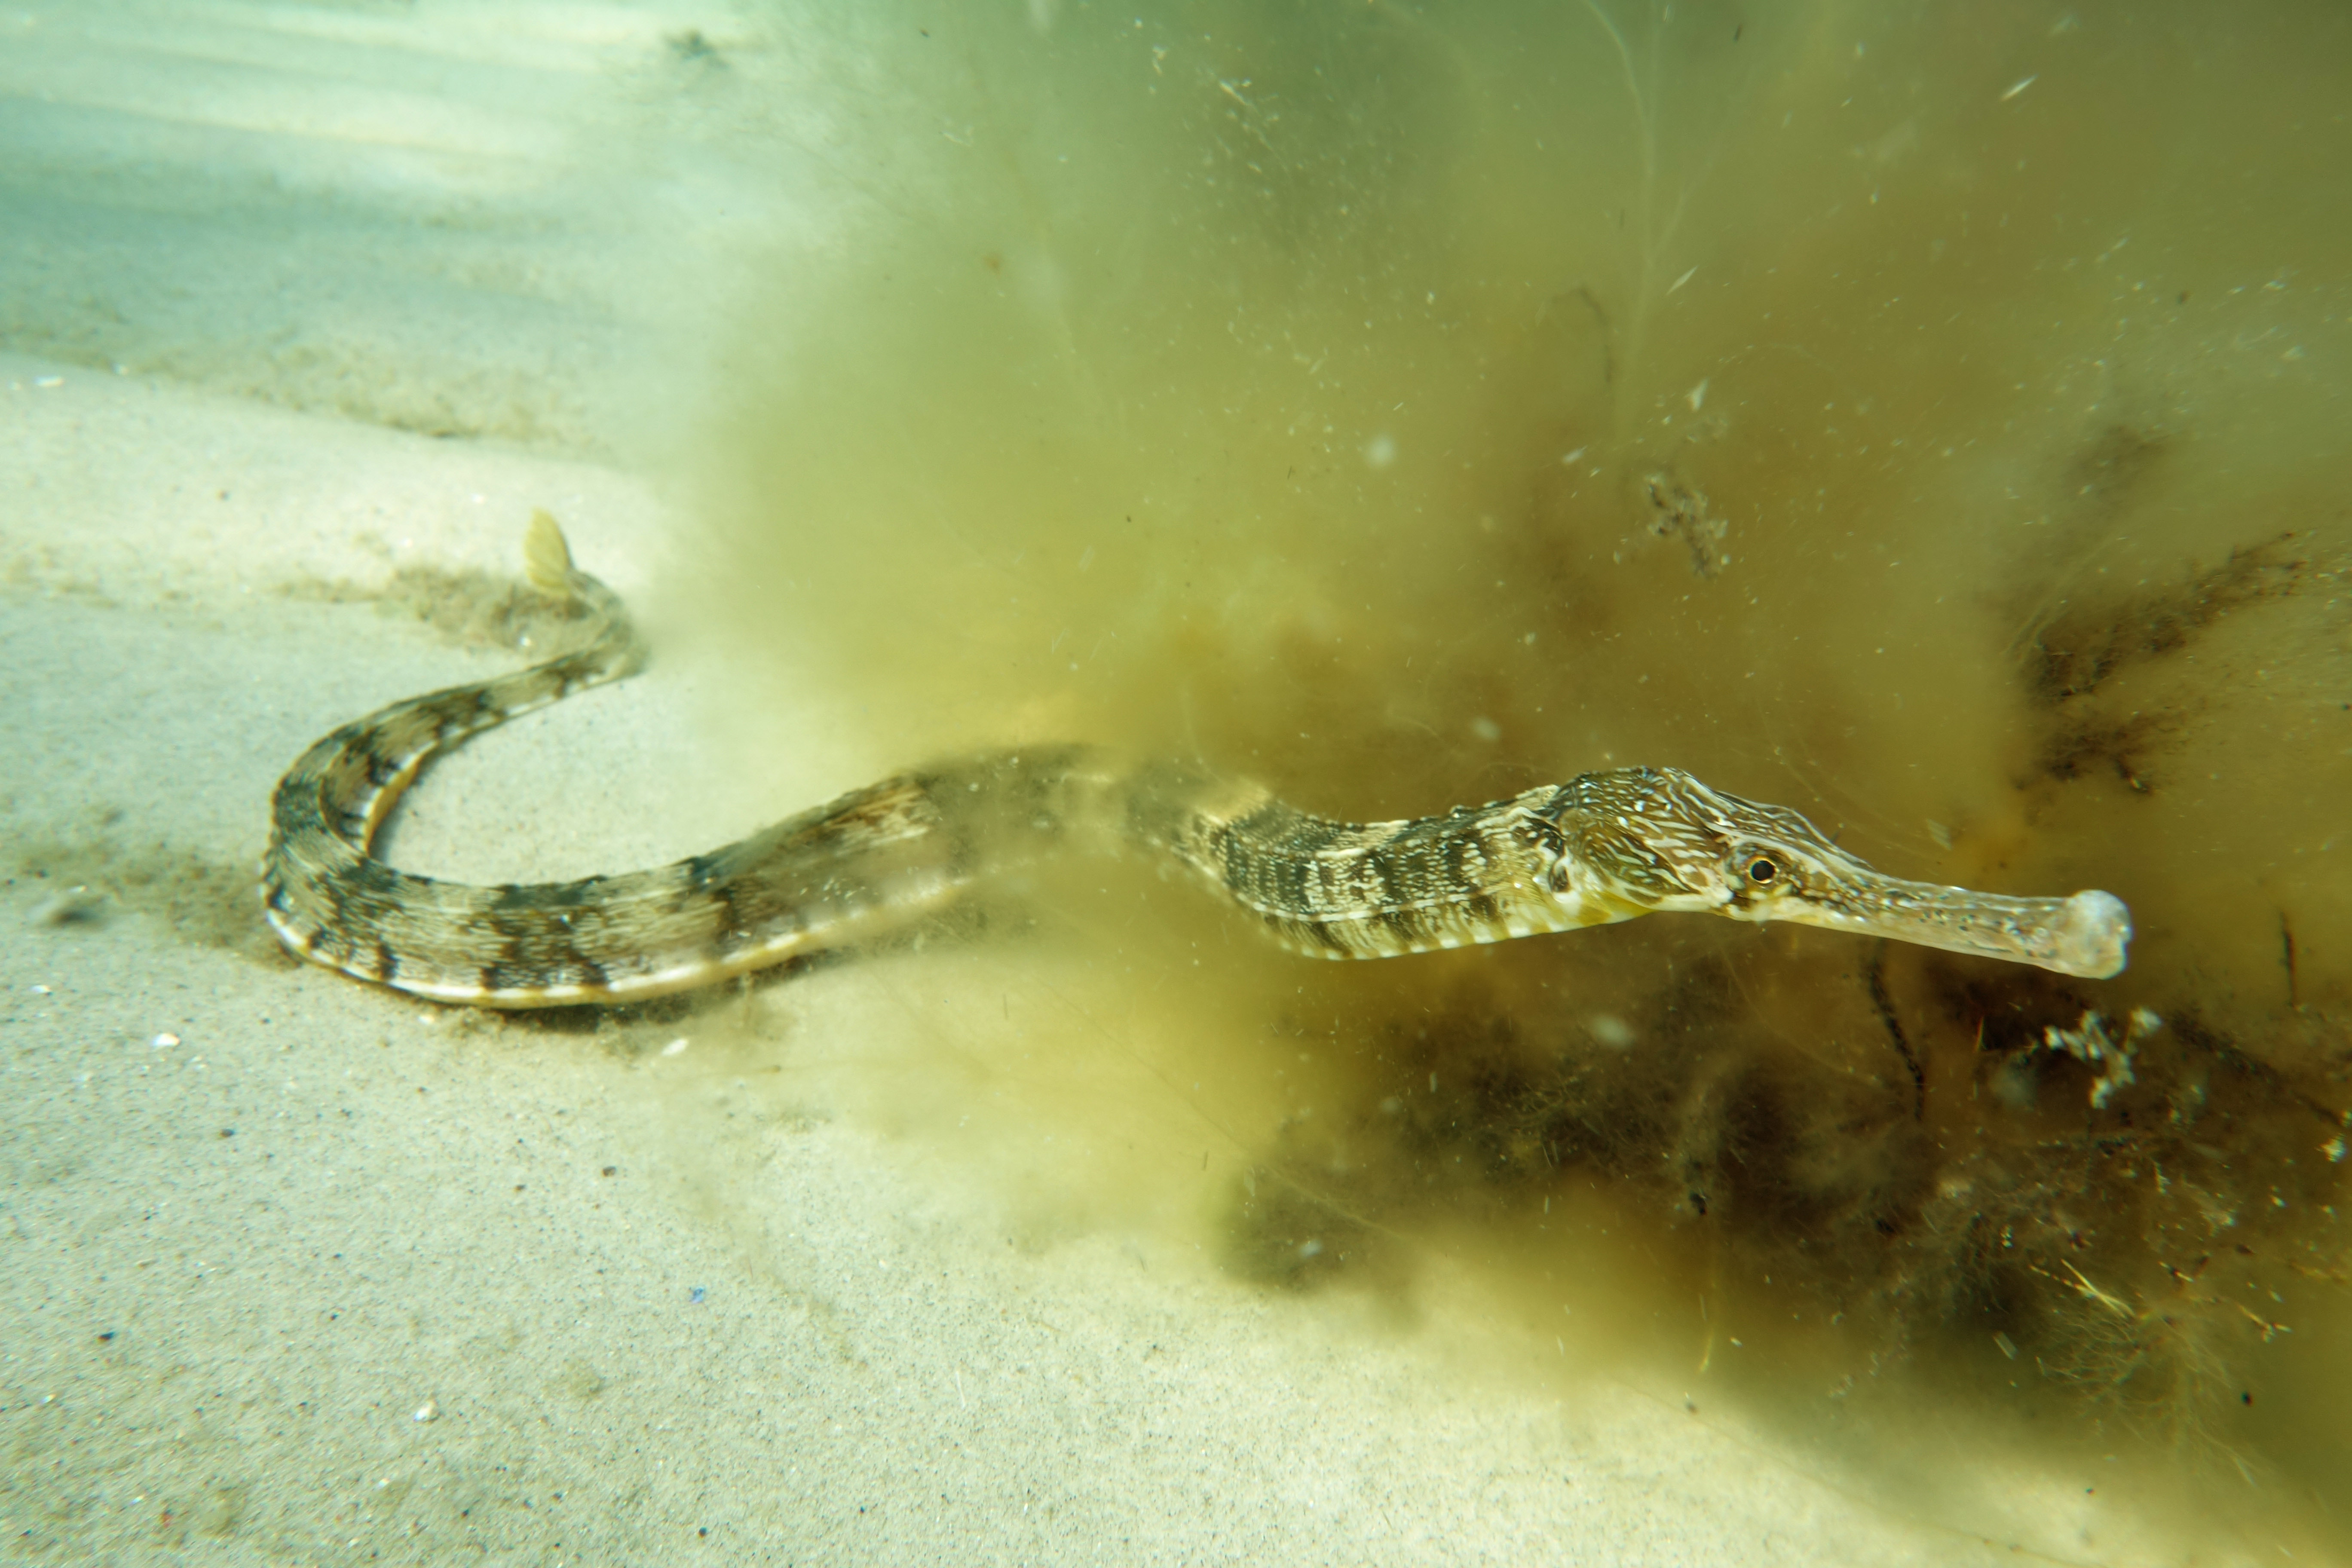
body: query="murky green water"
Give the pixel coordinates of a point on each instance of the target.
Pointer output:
(1927, 416)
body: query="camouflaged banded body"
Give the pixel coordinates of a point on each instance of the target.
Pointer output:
(1603, 847)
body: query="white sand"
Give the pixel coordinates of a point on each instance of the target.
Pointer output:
(294, 1270)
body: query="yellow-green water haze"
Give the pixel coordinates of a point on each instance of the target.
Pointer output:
(1931, 417)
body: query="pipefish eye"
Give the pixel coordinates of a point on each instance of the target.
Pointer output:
(1763, 870)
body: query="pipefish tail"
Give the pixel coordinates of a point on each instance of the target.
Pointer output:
(1601, 847)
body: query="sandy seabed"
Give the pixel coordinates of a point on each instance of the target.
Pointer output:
(300, 1271)
(294, 1270)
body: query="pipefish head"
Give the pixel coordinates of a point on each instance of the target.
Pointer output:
(1645, 839)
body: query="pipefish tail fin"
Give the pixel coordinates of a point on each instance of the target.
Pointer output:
(548, 567)
(547, 558)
